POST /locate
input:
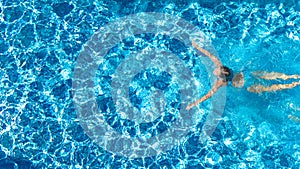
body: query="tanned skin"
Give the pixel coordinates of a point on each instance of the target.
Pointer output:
(218, 84)
(240, 81)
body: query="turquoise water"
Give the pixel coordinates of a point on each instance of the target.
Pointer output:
(40, 44)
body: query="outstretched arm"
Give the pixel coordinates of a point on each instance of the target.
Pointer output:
(219, 84)
(208, 54)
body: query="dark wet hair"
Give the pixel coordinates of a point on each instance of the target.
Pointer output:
(226, 74)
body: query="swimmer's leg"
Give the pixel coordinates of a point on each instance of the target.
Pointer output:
(273, 88)
(274, 75)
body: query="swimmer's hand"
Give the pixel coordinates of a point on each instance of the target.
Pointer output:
(189, 107)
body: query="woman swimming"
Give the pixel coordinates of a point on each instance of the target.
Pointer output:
(225, 75)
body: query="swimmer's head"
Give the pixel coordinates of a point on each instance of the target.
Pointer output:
(238, 80)
(224, 73)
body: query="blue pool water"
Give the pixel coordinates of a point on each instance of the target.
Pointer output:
(41, 42)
